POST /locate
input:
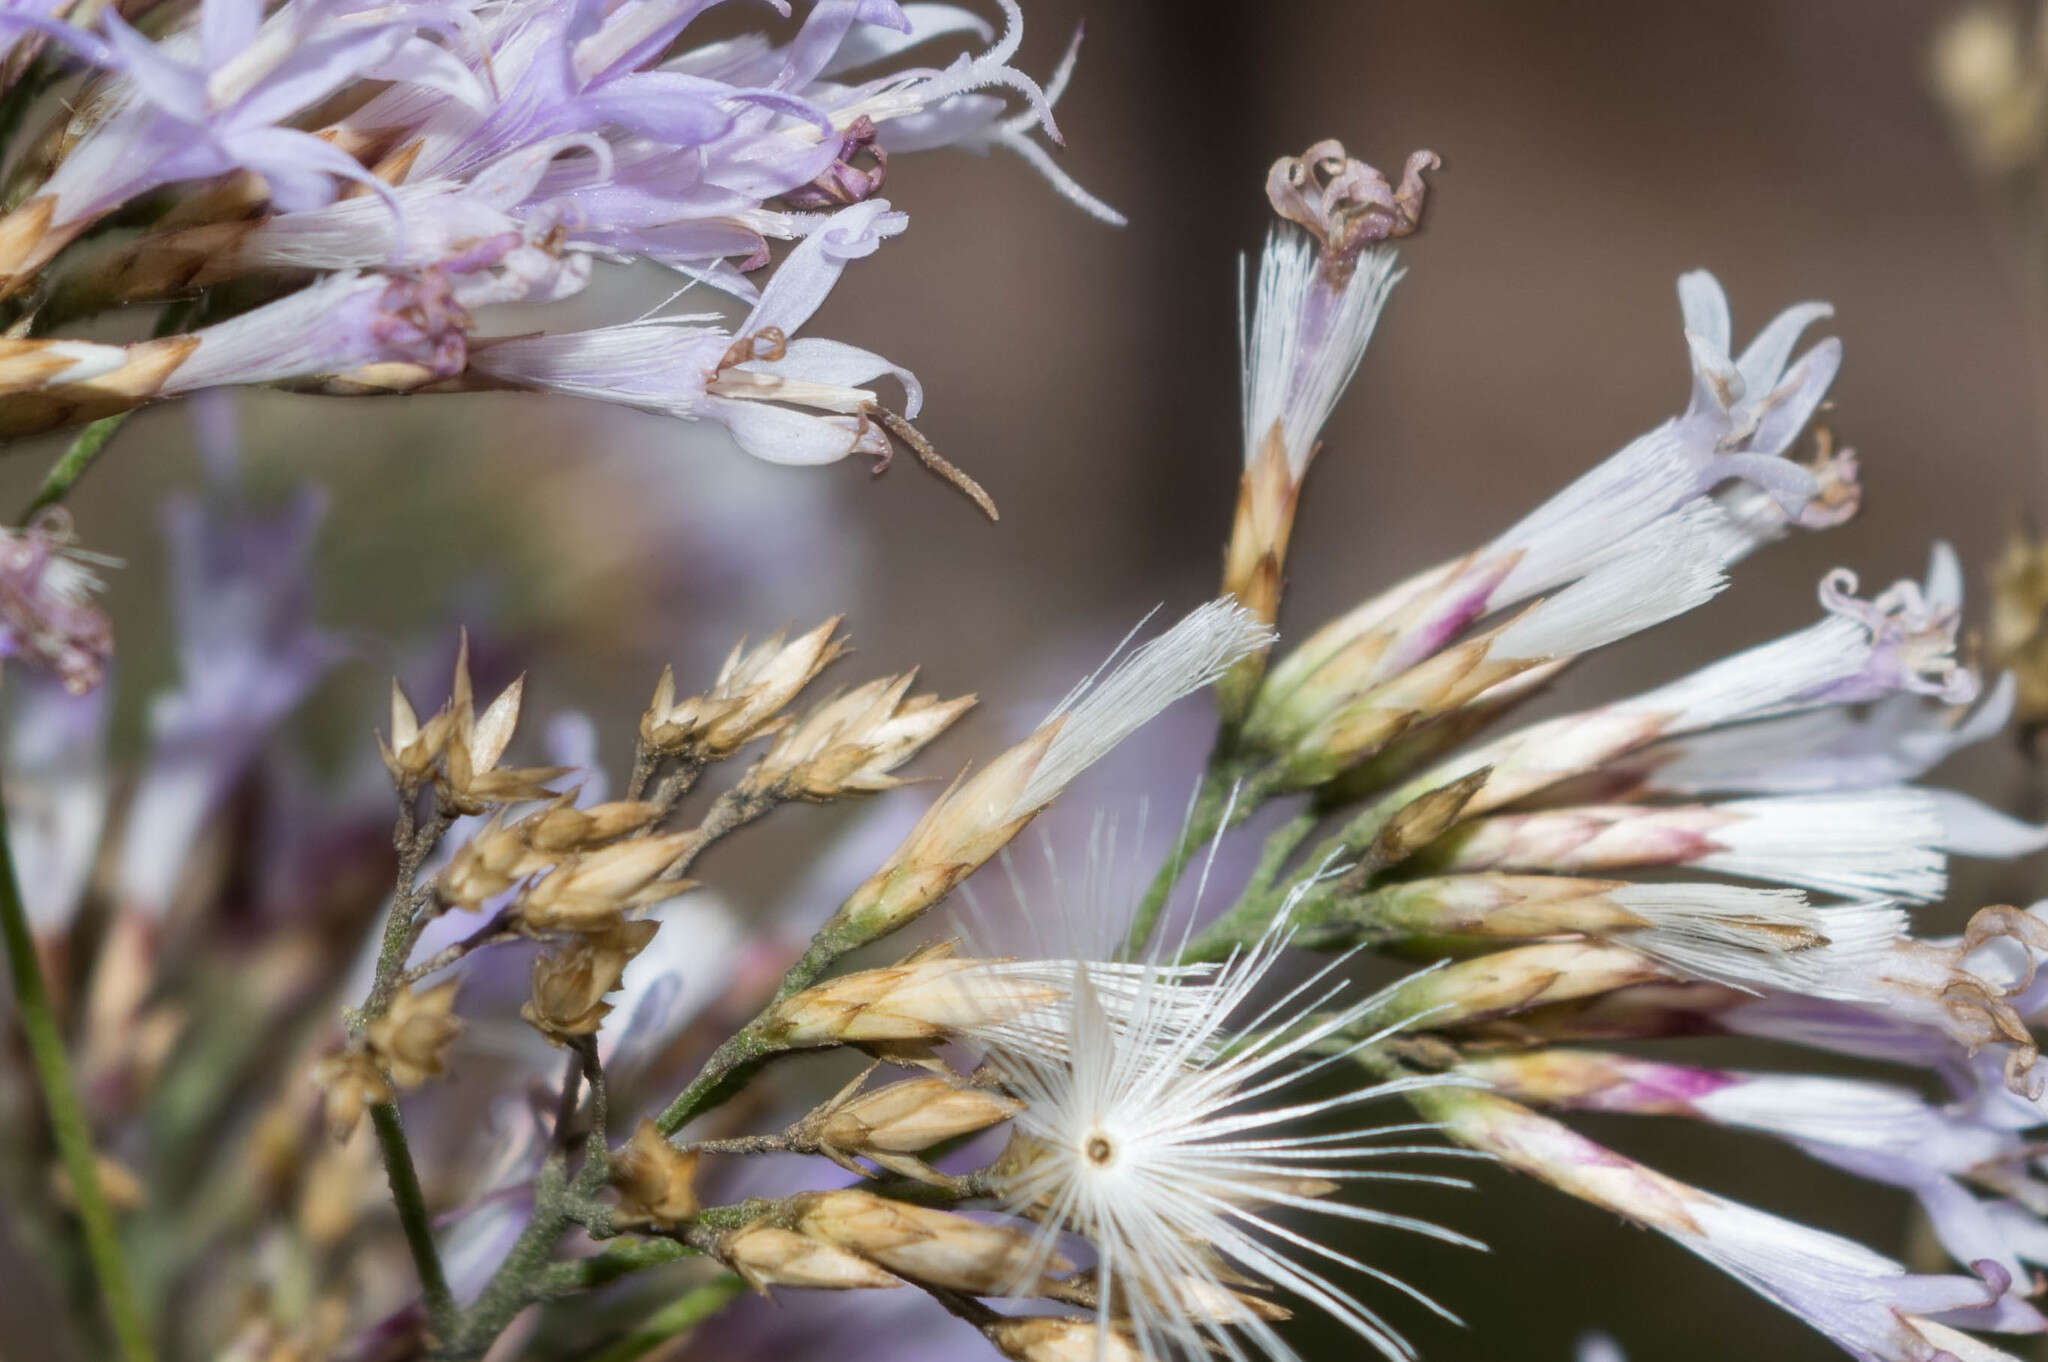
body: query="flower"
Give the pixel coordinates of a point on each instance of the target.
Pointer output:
(57, 789)
(1880, 1131)
(248, 653)
(1869, 1305)
(763, 385)
(48, 617)
(1739, 422)
(219, 97)
(1162, 1142)
(977, 817)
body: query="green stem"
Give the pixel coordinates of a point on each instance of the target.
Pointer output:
(683, 1313)
(71, 465)
(412, 1215)
(620, 1258)
(730, 1064)
(1225, 798)
(67, 1117)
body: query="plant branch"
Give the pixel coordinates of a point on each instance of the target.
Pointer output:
(412, 1216)
(68, 1126)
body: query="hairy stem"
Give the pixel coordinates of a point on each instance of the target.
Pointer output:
(412, 1216)
(85, 447)
(1223, 800)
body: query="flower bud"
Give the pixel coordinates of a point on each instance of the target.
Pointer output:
(351, 1081)
(655, 1180)
(471, 780)
(907, 1117)
(922, 999)
(488, 864)
(563, 828)
(413, 748)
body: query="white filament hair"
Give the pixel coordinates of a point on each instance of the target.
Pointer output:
(1292, 379)
(1174, 1208)
(1652, 576)
(1883, 843)
(1104, 710)
(1755, 939)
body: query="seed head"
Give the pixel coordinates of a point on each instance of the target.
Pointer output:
(747, 700)
(852, 742)
(569, 983)
(411, 1039)
(655, 1180)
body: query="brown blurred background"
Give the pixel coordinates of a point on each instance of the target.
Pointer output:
(1087, 376)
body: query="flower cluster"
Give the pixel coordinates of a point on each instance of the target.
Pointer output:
(1140, 1139)
(387, 181)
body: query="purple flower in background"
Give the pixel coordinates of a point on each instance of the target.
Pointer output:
(219, 97)
(248, 652)
(57, 785)
(49, 618)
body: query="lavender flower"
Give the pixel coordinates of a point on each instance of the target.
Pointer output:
(755, 384)
(248, 653)
(48, 617)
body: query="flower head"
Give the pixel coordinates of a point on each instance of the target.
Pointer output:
(1164, 1142)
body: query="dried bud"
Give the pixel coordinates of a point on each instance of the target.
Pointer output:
(590, 893)
(413, 748)
(921, 999)
(766, 1256)
(569, 984)
(906, 1117)
(1051, 1338)
(563, 828)
(411, 1039)
(487, 865)
(471, 779)
(747, 700)
(932, 1246)
(853, 741)
(351, 1081)
(1345, 203)
(654, 1180)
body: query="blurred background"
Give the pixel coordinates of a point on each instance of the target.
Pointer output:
(1087, 377)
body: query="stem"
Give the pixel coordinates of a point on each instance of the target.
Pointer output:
(1220, 798)
(67, 1117)
(685, 1312)
(412, 1215)
(730, 1063)
(71, 465)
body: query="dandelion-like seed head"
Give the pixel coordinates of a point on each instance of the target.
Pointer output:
(1169, 1129)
